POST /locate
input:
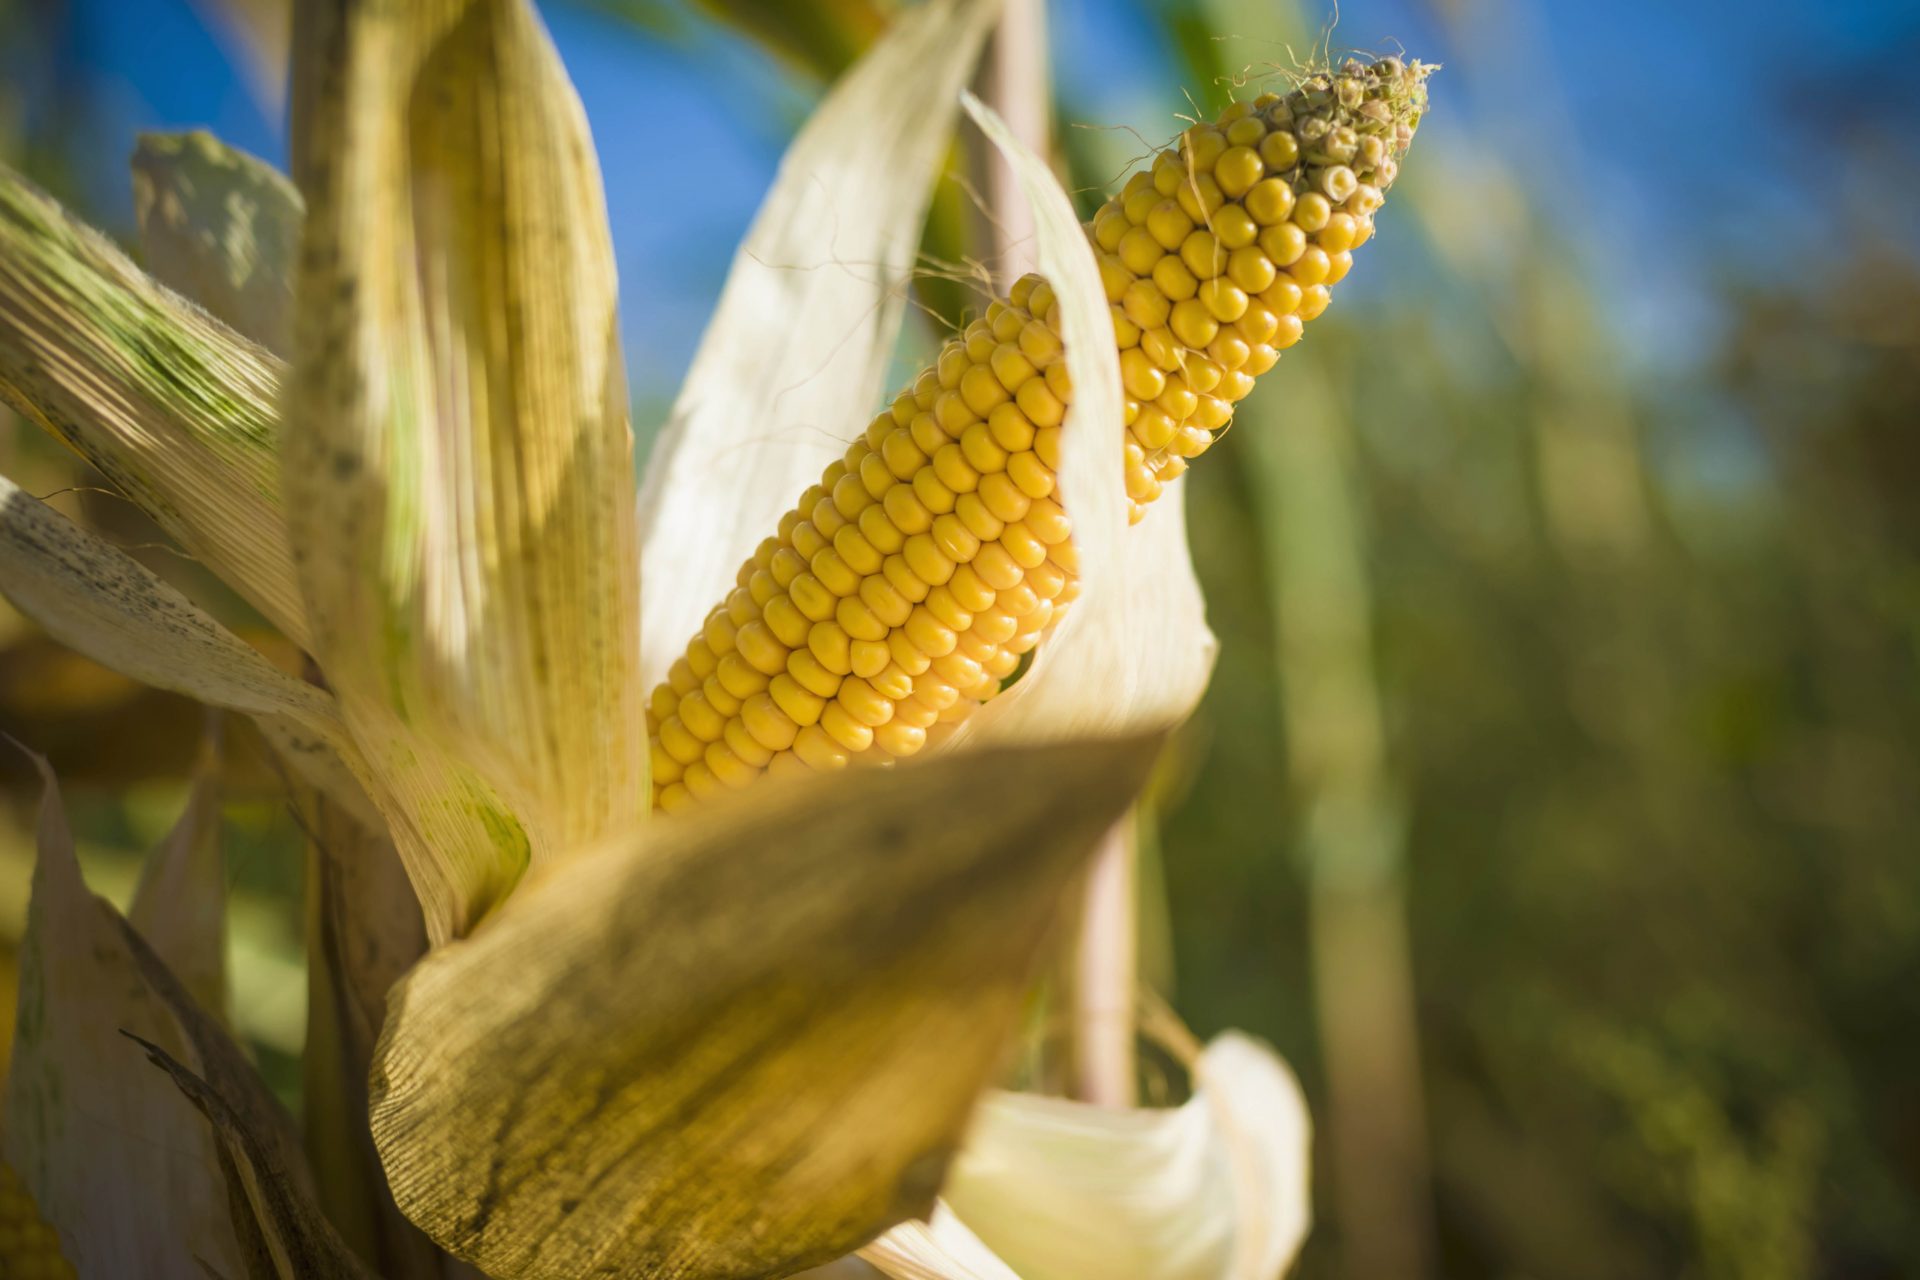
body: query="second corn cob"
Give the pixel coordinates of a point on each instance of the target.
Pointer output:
(902, 589)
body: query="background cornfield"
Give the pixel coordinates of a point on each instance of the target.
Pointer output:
(1556, 805)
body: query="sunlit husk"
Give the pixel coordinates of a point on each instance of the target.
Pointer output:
(457, 459)
(1215, 1189)
(180, 905)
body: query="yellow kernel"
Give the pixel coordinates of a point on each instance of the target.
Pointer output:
(855, 551)
(1137, 200)
(1039, 403)
(1163, 348)
(1021, 293)
(899, 739)
(875, 478)
(769, 724)
(743, 744)
(952, 363)
(1283, 244)
(997, 568)
(1048, 579)
(1236, 386)
(1060, 382)
(718, 631)
(1010, 428)
(1314, 302)
(979, 521)
(1312, 267)
(1239, 168)
(1011, 366)
(732, 771)
(1203, 145)
(1031, 474)
(1169, 224)
(806, 541)
(981, 389)
(699, 717)
(817, 749)
(1039, 343)
(1212, 414)
(959, 670)
(701, 783)
(816, 677)
(980, 342)
(761, 649)
(701, 660)
(905, 510)
(1109, 225)
(1178, 399)
(912, 711)
(738, 677)
(846, 731)
(932, 689)
(1235, 228)
(1200, 199)
(1139, 377)
(981, 450)
(825, 518)
(1171, 277)
(1290, 330)
(1046, 447)
(865, 704)
(1262, 359)
(1066, 555)
(678, 742)
(890, 681)
(1018, 601)
(954, 471)
(933, 495)
(1251, 269)
(1202, 374)
(1244, 132)
(1269, 202)
(1225, 299)
(680, 677)
(1202, 254)
(1153, 428)
(953, 538)
(927, 433)
(904, 652)
(1192, 323)
(762, 587)
(1258, 324)
(969, 590)
(665, 768)
(1139, 251)
(1145, 305)
(1338, 235)
(1049, 522)
(883, 600)
(902, 456)
(878, 530)
(834, 573)
(811, 598)
(929, 563)
(801, 705)
(1338, 265)
(901, 577)
(859, 621)
(1279, 151)
(1311, 211)
(1282, 297)
(952, 412)
(1228, 349)
(927, 633)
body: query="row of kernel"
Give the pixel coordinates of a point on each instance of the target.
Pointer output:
(900, 591)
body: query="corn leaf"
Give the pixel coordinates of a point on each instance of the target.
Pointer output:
(457, 459)
(1212, 1190)
(1134, 652)
(177, 411)
(221, 227)
(748, 1043)
(95, 598)
(119, 1164)
(180, 904)
(792, 365)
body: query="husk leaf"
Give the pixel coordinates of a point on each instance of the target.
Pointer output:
(1215, 1189)
(175, 409)
(180, 904)
(457, 458)
(748, 1043)
(119, 1164)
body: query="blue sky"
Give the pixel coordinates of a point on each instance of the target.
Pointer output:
(1663, 135)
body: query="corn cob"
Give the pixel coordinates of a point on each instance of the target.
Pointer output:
(29, 1248)
(904, 588)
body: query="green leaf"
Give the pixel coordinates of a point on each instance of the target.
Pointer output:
(750, 1041)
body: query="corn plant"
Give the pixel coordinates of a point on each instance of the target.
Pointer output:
(753, 1032)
